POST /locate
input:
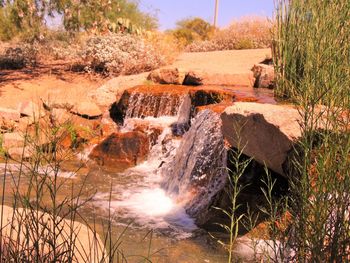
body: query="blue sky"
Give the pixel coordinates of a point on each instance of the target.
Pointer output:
(170, 11)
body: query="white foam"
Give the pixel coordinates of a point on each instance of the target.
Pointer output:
(161, 122)
(151, 208)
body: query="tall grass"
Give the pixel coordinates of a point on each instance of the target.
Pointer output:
(312, 50)
(312, 59)
(41, 217)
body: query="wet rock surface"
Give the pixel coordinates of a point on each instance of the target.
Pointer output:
(196, 173)
(122, 149)
(165, 100)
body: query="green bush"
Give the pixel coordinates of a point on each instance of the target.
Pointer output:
(192, 29)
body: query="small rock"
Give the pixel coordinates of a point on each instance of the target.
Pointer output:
(31, 109)
(18, 153)
(193, 79)
(9, 114)
(168, 76)
(264, 76)
(60, 116)
(88, 110)
(12, 140)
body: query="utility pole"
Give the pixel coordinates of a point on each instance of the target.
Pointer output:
(216, 13)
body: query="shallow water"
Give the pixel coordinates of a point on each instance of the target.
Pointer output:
(135, 202)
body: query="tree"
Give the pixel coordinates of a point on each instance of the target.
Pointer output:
(18, 16)
(193, 29)
(103, 15)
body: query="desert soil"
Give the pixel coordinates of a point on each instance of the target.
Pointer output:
(54, 80)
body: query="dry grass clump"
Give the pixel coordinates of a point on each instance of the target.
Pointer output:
(247, 33)
(18, 57)
(165, 44)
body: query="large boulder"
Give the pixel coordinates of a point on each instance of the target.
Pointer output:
(121, 150)
(83, 244)
(265, 132)
(168, 76)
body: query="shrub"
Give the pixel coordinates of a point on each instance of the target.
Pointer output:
(19, 57)
(120, 54)
(242, 34)
(192, 29)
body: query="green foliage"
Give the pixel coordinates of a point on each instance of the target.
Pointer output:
(312, 61)
(312, 49)
(192, 29)
(27, 17)
(104, 15)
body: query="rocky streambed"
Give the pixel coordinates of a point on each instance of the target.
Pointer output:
(159, 158)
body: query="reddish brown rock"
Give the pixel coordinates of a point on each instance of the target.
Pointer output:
(121, 150)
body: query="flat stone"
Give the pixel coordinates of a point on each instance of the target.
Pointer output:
(87, 110)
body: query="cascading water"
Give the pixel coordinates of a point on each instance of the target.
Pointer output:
(141, 197)
(141, 105)
(197, 172)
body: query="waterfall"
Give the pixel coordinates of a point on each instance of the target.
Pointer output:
(141, 105)
(186, 166)
(197, 173)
